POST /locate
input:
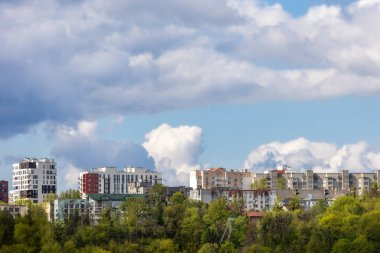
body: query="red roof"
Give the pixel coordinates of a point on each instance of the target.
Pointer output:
(254, 214)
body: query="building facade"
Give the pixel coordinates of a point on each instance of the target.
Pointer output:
(15, 210)
(4, 191)
(220, 177)
(309, 180)
(64, 208)
(109, 180)
(34, 179)
(250, 200)
(99, 202)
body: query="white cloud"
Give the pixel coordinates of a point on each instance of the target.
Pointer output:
(80, 148)
(302, 154)
(70, 177)
(175, 151)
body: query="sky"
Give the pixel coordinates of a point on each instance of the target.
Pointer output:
(239, 84)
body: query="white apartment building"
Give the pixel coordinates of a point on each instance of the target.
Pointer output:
(34, 179)
(251, 200)
(110, 180)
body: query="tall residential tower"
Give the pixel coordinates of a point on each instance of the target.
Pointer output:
(34, 179)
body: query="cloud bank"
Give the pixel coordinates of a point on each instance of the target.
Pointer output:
(303, 154)
(80, 148)
(175, 151)
(69, 61)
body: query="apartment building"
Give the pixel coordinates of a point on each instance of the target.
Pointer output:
(34, 179)
(258, 200)
(309, 180)
(220, 177)
(15, 210)
(4, 191)
(110, 180)
(64, 208)
(99, 202)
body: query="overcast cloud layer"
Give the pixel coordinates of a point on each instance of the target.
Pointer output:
(69, 61)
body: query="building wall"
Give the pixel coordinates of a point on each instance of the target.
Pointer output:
(310, 180)
(251, 199)
(220, 177)
(15, 210)
(34, 179)
(110, 180)
(4, 191)
(63, 208)
(90, 183)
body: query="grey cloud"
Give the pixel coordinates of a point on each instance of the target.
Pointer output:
(86, 153)
(67, 61)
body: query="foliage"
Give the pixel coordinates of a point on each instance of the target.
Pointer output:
(158, 224)
(281, 183)
(70, 194)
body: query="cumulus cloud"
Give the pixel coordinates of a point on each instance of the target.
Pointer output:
(175, 151)
(303, 154)
(80, 148)
(85, 60)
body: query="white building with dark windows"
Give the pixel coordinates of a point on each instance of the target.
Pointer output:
(109, 180)
(34, 179)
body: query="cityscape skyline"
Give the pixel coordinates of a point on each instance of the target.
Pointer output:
(234, 84)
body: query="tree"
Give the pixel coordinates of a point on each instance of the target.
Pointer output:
(162, 246)
(191, 230)
(281, 183)
(374, 191)
(259, 184)
(209, 248)
(34, 230)
(70, 194)
(276, 230)
(239, 231)
(173, 214)
(215, 221)
(369, 225)
(295, 202)
(7, 227)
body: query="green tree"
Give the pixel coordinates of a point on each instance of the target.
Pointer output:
(173, 214)
(276, 230)
(6, 228)
(215, 221)
(369, 226)
(70, 194)
(209, 248)
(259, 184)
(162, 246)
(281, 183)
(34, 230)
(191, 230)
(295, 202)
(239, 231)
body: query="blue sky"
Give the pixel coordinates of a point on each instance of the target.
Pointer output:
(250, 84)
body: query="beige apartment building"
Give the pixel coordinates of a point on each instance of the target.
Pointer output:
(309, 180)
(220, 177)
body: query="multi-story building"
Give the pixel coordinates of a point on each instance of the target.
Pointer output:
(220, 177)
(64, 208)
(110, 180)
(15, 210)
(4, 191)
(309, 180)
(34, 179)
(99, 202)
(249, 199)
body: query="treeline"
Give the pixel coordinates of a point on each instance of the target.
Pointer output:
(155, 224)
